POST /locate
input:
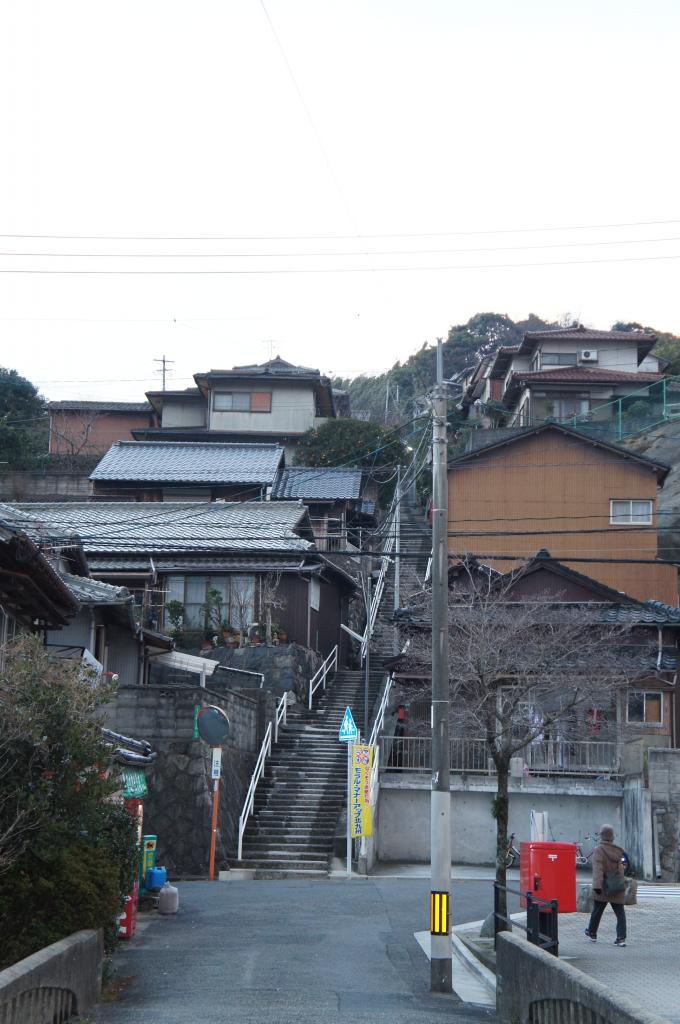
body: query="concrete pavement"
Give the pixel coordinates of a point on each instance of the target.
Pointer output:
(290, 951)
(646, 969)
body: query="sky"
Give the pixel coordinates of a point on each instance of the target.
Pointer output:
(333, 182)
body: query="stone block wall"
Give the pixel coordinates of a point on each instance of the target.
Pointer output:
(286, 667)
(178, 808)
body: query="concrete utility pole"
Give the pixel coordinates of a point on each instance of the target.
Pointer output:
(440, 805)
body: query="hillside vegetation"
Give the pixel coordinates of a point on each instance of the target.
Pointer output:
(394, 396)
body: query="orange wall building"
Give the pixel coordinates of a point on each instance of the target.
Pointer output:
(90, 428)
(554, 488)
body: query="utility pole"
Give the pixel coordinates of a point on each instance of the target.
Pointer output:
(163, 370)
(440, 801)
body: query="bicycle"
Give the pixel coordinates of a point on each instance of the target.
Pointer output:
(582, 858)
(511, 852)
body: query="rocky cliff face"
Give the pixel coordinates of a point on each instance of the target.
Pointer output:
(663, 443)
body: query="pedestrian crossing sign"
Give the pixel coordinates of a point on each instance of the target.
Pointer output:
(348, 729)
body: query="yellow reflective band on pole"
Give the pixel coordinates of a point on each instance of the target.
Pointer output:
(439, 913)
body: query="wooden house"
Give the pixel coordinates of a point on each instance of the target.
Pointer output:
(591, 503)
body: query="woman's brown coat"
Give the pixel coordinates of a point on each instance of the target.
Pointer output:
(606, 861)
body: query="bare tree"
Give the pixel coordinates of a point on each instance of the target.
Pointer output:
(270, 600)
(523, 669)
(74, 434)
(241, 600)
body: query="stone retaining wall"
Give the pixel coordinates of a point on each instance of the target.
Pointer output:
(532, 985)
(55, 983)
(178, 808)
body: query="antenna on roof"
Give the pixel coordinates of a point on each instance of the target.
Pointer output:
(271, 342)
(163, 370)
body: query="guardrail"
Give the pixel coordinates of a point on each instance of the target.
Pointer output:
(541, 914)
(258, 770)
(547, 757)
(319, 678)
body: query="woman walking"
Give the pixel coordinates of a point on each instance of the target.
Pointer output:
(609, 885)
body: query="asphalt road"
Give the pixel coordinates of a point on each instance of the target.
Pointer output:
(289, 952)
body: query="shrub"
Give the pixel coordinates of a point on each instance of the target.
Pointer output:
(67, 851)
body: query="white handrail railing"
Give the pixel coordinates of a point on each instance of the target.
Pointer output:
(376, 598)
(258, 771)
(281, 716)
(330, 664)
(380, 714)
(250, 795)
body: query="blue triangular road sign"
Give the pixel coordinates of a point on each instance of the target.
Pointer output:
(348, 729)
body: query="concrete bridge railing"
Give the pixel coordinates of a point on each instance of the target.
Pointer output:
(54, 984)
(533, 987)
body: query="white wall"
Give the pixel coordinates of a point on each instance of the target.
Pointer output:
(293, 411)
(575, 809)
(183, 414)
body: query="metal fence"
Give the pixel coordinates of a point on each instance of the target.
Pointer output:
(544, 757)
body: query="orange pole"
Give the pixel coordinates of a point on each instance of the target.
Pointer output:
(213, 834)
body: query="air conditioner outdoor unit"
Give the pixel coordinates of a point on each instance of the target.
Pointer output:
(588, 355)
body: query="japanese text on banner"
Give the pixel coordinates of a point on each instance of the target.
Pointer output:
(360, 796)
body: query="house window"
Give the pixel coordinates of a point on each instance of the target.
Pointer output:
(558, 359)
(204, 598)
(645, 708)
(630, 512)
(242, 401)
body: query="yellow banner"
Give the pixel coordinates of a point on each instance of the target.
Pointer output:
(360, 795)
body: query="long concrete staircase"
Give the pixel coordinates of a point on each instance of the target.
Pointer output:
(301, 795)
(415, 541)
(303, 790)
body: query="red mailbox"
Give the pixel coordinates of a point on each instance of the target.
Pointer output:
(548, 871)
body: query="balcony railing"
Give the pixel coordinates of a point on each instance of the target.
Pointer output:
(469, 755)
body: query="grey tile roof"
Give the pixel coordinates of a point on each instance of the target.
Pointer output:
(190, 462)
(317, 484)
(652, 613)
(205, 564)
(150, 528)
(588, 334)
(103, 407)
(88, 591)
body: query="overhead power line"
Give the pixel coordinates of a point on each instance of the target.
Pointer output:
(336, 253)
(457, 233)
(345, 270)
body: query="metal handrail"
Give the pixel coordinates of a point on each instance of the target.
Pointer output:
(380, 584)
(281, 716)
(258, 771)
(330, 664)
(250, 795)
(380, 714)
(540, 913)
